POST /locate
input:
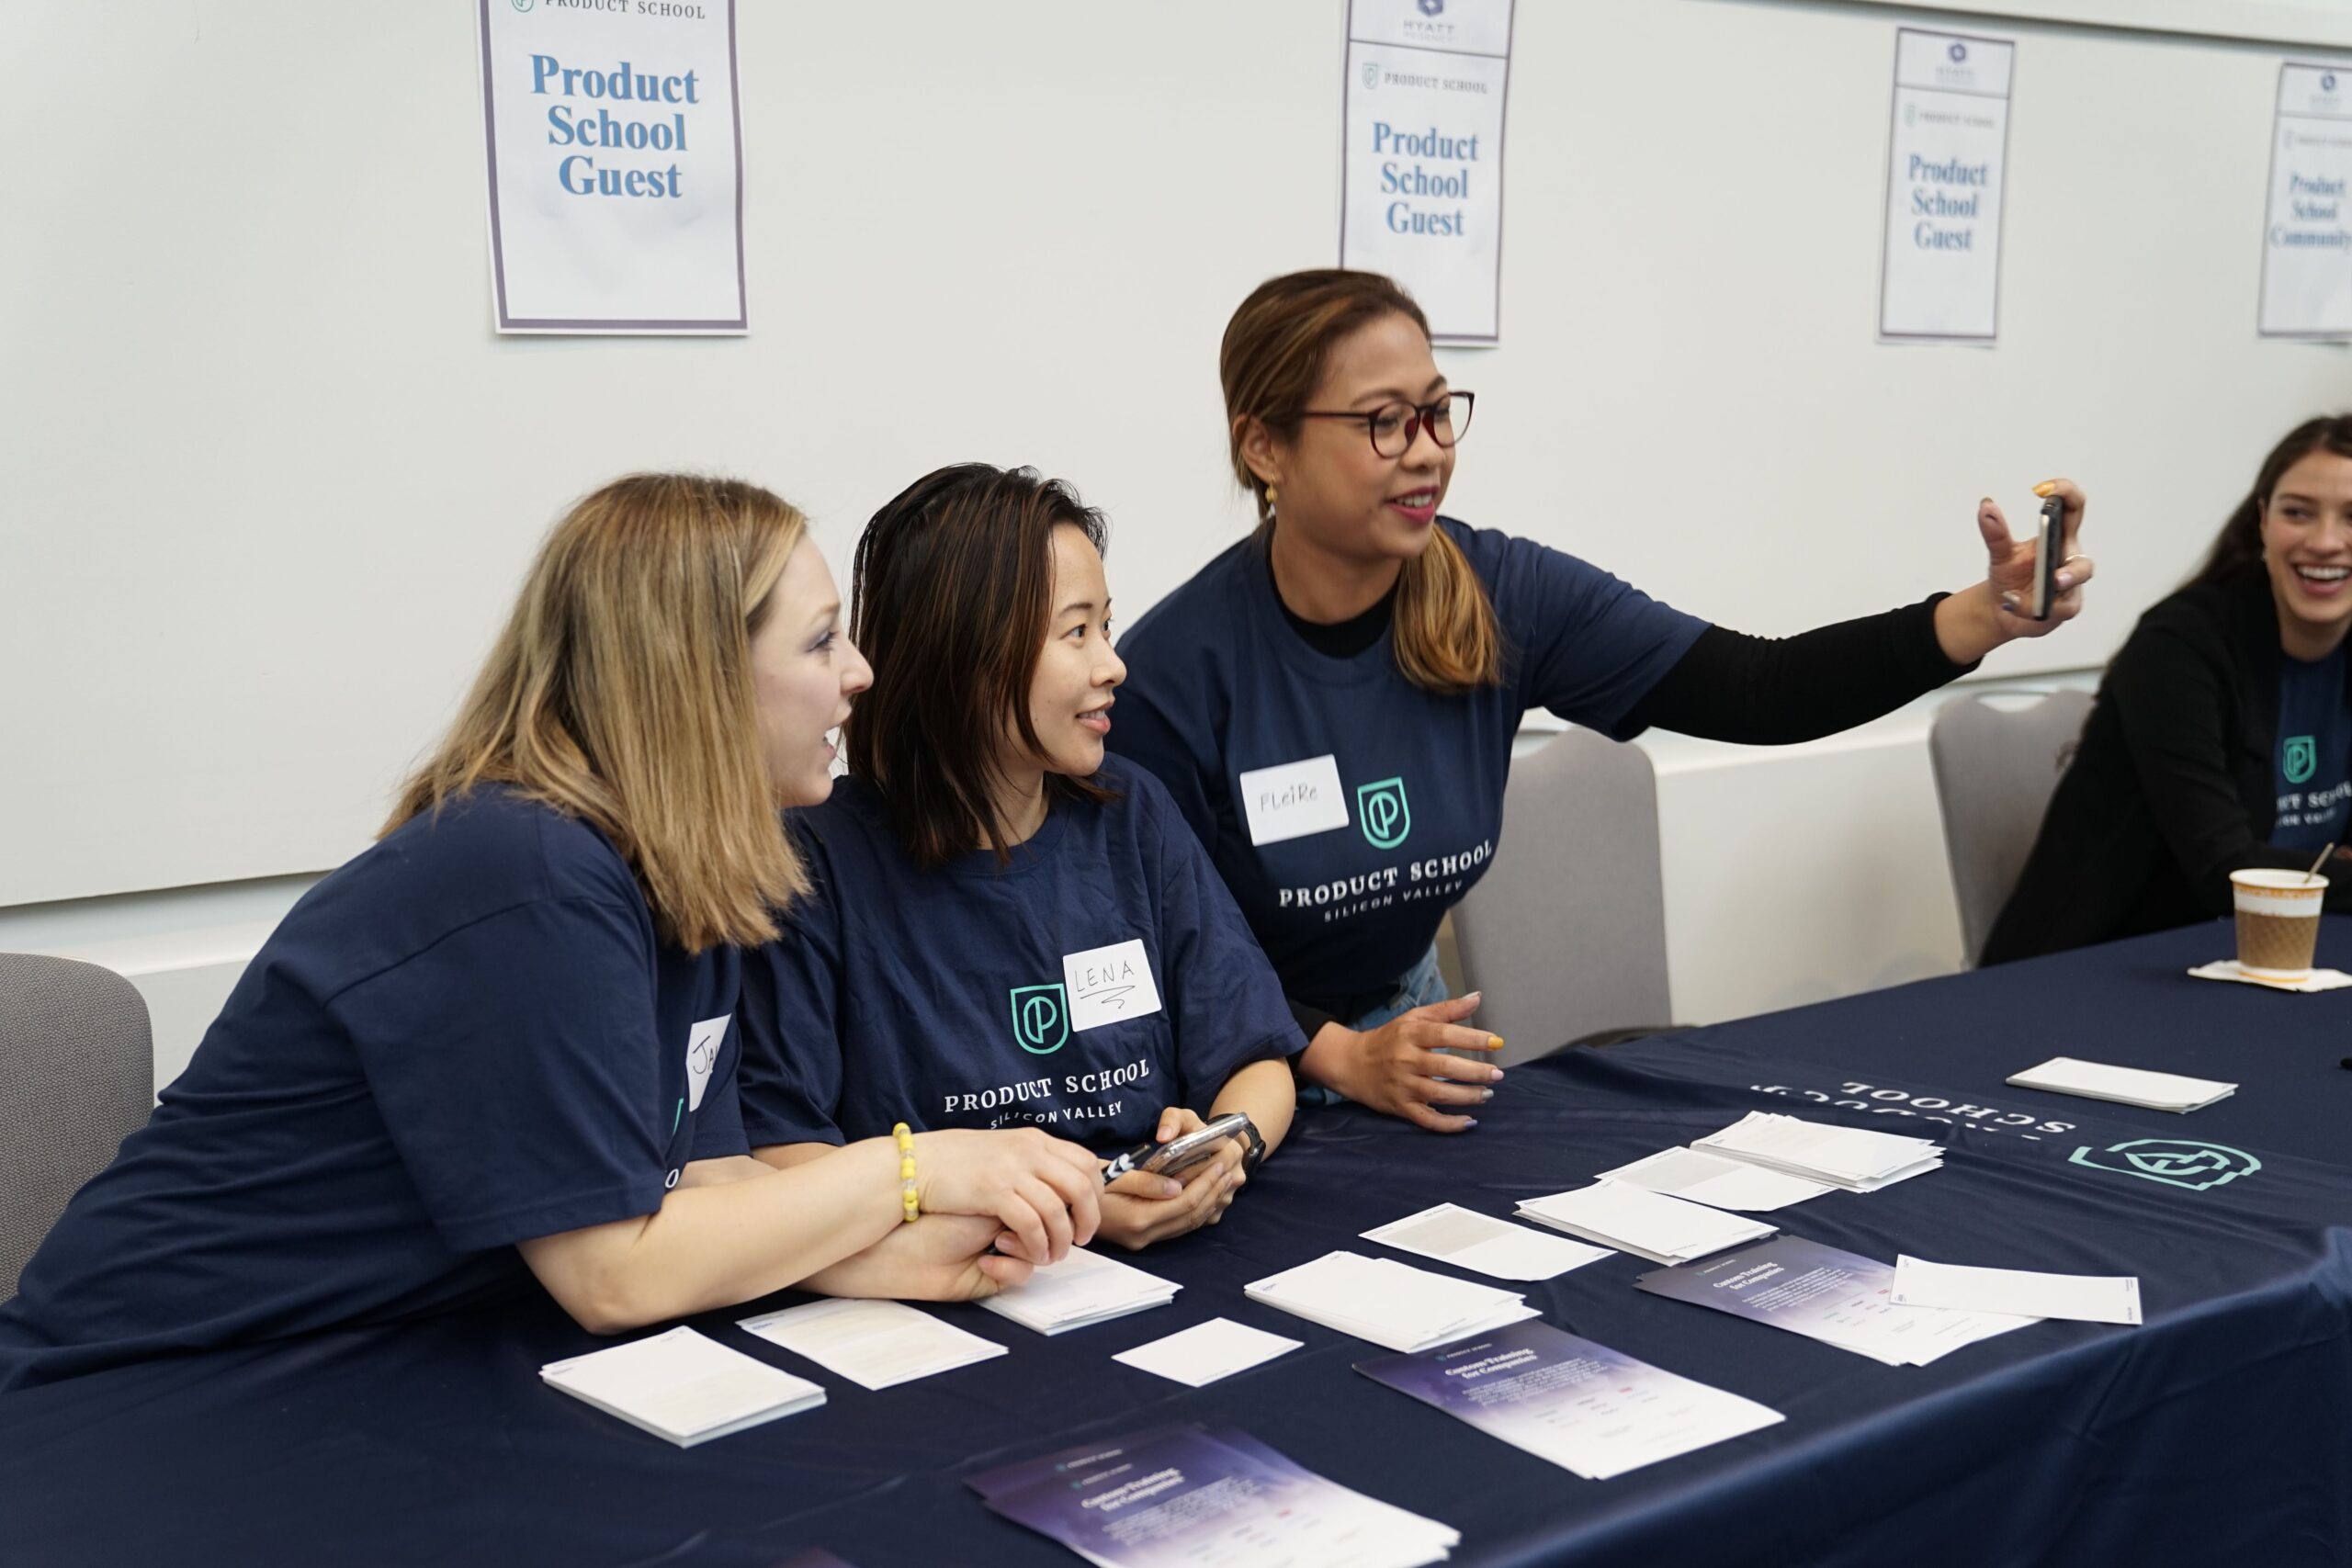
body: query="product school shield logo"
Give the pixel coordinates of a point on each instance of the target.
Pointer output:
(1383, 814)
(1040, 1019)
(2176, 1162)
(2300, 760)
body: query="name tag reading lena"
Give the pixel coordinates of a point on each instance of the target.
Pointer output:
(1293, 800)
(1107, 985)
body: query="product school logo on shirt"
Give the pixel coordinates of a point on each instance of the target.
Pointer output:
(1384, 813)
(1040, 1019)
(1296, 800)
(1100, 986)
(2299, 761)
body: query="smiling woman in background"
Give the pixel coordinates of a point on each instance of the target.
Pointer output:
(2220, 740)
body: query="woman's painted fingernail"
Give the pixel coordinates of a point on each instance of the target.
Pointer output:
(1468, 1122)
(1486, 1095)
(2065, 580)
(1494, 1042)
(2046, 488)
(1495, 1076)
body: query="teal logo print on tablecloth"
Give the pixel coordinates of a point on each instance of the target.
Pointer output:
(2176, 1162)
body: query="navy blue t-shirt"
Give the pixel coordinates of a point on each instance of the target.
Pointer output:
(1102, 976)
(2313, 764)
(467, 1037)
(1347, 808)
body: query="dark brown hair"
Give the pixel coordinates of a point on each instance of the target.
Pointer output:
(2240, 540)
(952, 585)
(1276, 348)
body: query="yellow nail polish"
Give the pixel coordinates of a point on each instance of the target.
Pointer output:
(1494, 1042)
(2046, 488)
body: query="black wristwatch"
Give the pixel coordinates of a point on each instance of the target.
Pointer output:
(1255, 1141)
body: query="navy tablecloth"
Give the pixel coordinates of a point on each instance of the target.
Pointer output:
(2219, 1432)
(2130, 1004)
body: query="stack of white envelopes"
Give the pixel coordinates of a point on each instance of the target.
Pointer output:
(1853, 1158)
(1717, 1180)
(1082, 1289)
(2124, 1086)
(1645, 1224)
(1388, 1302)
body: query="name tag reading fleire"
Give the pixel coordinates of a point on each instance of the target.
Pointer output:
(1293, 799)
(1109, 984)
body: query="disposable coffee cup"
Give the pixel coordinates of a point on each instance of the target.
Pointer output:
(2278, 922)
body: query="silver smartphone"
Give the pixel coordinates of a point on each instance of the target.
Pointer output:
(2049, 539)
(1178, 1155)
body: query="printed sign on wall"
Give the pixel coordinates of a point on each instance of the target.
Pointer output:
(1421, 175)
(2306, 232)
(615, 165)
(1939, 278)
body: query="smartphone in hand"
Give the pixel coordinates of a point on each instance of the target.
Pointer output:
(2049, 539)
(1178, 1155)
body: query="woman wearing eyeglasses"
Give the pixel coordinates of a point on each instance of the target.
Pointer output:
(1332, 701)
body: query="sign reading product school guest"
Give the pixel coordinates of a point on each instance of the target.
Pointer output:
(615, 158)
(1422, 185)
(1941, 274)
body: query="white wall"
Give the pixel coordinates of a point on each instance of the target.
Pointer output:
(270, 478)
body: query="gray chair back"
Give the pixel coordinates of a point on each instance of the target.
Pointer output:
(1995, 774)
(1565, 934)
(77, 1075)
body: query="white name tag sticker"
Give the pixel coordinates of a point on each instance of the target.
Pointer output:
(702, 1042)
(1107, 985)
(1293, 800)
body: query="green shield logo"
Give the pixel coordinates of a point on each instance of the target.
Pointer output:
(2176, 1162)
(1040, 1019)
(2300, 760)
(1383, 813)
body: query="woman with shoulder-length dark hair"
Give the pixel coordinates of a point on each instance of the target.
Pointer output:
(1009, 929)
(2220, 740)
(1331, 702)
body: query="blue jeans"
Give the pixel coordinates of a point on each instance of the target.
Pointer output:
(1424, 983)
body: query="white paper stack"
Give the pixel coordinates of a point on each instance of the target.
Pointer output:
(1717, 1180)
(2124, 1086)
(1853, 1158)
(1645, 1224)
(684, 1386)
(1082, 1289)
(872, 1344)
(1388, 1302)
(2079, 1298)
(1468, 1239)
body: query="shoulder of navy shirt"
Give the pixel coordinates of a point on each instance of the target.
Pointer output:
(1219, 687)
(470, 1035)
(938, 998)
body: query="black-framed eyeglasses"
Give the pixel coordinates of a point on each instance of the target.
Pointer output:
(1393, 426)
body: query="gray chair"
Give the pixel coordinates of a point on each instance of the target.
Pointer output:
(77, 1075)
(1995, 774)
(1565, 934)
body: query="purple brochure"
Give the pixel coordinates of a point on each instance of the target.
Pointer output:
(1588, 1408)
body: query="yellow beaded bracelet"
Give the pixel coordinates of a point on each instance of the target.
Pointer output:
(907, 1171)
